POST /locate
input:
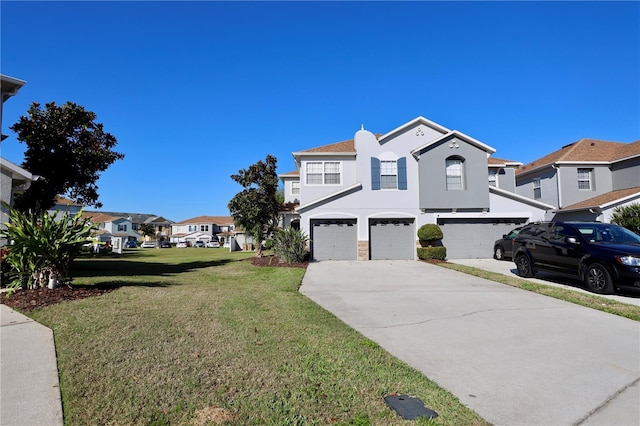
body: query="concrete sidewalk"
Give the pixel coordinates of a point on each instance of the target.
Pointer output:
(514, 357)
(29, 386)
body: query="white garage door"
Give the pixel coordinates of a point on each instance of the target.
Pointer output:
(334, 239)
(392, 239)
(474, 238)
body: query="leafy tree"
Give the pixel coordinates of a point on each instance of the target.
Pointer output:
(627, 216)
(147, 229)
(68, 149)
(43, 247)
(256, 207)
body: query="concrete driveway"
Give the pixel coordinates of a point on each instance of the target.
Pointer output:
(514, 357)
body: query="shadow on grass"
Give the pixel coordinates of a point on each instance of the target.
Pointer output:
(127, 266)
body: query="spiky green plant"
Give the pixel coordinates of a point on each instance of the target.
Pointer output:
(42, 246)
(627, 216)
(290, 245)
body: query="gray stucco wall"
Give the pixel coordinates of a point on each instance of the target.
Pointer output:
(548, 186)
(432, 177)
(507, 179)
(570, 194)
(626, 174)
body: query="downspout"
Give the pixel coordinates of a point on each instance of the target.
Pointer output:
(558, 186)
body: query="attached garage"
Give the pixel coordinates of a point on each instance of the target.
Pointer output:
(334, 239)
(392, 239)
(473, 238)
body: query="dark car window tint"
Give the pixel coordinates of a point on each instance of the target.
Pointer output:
(561, 233)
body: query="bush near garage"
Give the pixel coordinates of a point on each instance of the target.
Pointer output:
(432, 253)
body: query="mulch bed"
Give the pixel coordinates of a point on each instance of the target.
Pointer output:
(26, 300)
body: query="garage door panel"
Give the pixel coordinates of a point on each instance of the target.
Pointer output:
(393, 239)
(473, 239)
(334, 239)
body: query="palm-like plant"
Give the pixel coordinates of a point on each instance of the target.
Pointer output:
(42, 246)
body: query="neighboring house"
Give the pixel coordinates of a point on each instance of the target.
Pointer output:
(202, 228)
(365, 198)
(161, 225)
(111, 226)
(63, 205)
(585, 180)
(13, 178)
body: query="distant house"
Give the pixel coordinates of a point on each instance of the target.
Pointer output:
(111, 226)
(161, 225)
(202, 228)
(584, 180)
(365, 198)
(62, 205)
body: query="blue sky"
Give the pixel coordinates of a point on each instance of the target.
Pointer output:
(195, 91)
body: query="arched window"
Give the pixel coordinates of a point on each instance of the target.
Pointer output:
(454, 167)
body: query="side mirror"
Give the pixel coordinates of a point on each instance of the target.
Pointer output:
(572, 240)
(504, 236)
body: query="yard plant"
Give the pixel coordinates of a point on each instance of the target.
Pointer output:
(42, 247)
(195, 337)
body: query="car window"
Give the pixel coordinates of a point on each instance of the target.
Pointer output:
(618, 234)
(560, 233)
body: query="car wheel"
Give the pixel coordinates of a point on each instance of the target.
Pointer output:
(597, 279)
(498, 253)
(524, 266)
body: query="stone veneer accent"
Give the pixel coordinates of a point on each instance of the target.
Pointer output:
(363, 250)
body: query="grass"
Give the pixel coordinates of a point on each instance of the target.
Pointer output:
(583, 299)
(201, 336)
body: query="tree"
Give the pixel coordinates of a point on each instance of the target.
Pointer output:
(68, 149)
(627, 216)
(256, 207)
(147, 229)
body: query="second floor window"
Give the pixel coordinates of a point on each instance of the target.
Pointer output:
(584, 178)
(204, 228)
(454, 169)
(388, 175)
(122, 228)
(295, 188)
(323, 173)
(537, 190)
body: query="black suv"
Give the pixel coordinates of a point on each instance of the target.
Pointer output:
(602, 255)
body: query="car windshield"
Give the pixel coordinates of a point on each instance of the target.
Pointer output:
(608, 234)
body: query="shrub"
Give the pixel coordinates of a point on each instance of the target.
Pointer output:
(430, 232)
(42, 247)
(290, 245)
(627, 216)
(426, 253)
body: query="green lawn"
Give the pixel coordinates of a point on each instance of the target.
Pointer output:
(200, 336)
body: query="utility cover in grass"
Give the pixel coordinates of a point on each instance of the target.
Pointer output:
(409, 407)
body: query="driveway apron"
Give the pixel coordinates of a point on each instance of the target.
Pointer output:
(514, 357)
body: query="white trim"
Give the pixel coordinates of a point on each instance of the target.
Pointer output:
(17, 171)
(323, 154)
(454, 133)
(518, 197)
(417, 120)
(327, 197)
(511, 215)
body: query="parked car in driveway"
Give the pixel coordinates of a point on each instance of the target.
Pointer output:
(148, 244)
(213, 244)
(130, 244)
(165, 244)
(199, 244)
(603, 255)
(181, 244)
(503, 248)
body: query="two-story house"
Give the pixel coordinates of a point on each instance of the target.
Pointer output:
(365, 198)
(111, 226)
(202, 228)
(585, 180)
